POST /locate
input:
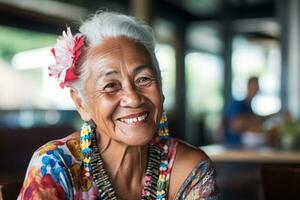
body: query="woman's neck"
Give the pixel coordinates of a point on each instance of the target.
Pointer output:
(125, 165)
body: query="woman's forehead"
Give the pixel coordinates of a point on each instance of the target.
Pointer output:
(112, 44)
(114, 53)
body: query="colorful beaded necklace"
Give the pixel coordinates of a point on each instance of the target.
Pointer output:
(157, 176)
(155, 184)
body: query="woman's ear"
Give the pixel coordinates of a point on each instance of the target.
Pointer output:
(80, 106)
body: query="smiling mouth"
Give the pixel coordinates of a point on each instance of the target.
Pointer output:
(135, 119)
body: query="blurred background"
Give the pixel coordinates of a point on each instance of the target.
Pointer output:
(207, 51)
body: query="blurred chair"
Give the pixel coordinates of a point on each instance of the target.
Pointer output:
(11, 190)
(281, 181)
(16, 149)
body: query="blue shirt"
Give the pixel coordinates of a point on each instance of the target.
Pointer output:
(234, 109)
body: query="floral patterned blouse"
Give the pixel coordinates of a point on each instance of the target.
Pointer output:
(55, 172)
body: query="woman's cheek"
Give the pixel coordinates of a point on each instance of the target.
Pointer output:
(110, 99)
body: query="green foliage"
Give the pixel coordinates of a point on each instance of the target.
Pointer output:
(14, 40)
(291, 127)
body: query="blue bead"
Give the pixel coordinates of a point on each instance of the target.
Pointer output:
(44, 170)
(52, 162)
(45, 160)
(86, 150)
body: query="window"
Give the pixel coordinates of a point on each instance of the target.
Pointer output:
(257, 58)
(25, 56)
(28, 96)
(204, 83)
(166, 58)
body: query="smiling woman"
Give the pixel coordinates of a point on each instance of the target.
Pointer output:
(123, 150)
(126, 90)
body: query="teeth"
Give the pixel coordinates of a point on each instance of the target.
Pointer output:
(134, 119)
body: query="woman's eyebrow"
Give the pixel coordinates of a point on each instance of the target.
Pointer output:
(141, 68)
(138, 69)
(108, 73)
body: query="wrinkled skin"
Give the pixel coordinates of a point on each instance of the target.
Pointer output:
(125, 102)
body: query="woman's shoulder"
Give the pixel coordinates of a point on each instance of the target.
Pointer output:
(187, 158)
(50, 167)
(189, 154)
(189, 162)
(69, 145)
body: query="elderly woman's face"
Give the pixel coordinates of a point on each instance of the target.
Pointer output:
(124, 98)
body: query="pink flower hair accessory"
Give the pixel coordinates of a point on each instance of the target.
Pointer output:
(66, 53)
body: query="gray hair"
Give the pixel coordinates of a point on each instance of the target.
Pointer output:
(111, 24)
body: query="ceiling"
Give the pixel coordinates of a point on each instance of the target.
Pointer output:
(233, 8)
(50, 16)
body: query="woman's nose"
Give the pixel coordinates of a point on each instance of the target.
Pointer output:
(131, 97)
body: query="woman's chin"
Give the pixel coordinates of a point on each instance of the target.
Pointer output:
(136, 139)
(135, 135)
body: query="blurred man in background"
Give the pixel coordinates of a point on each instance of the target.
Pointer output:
(239, 116)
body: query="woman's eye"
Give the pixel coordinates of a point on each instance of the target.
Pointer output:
(143, 81)
(111, 87)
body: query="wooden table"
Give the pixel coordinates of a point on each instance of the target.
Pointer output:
(239, 169)
(223, 153)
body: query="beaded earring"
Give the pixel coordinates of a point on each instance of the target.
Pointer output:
(163, 131)
(86, 135)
